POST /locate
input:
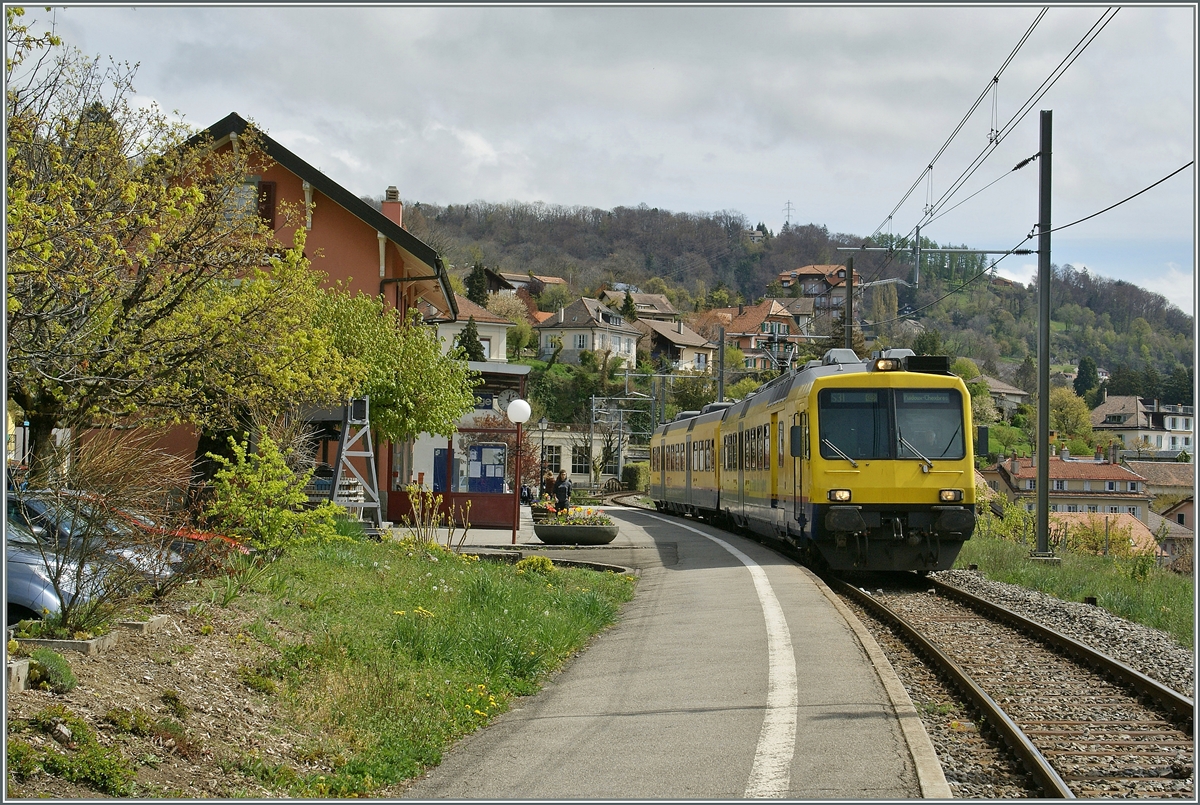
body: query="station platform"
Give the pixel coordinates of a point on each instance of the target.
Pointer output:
(733, 674)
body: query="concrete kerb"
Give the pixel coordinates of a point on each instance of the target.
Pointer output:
(930, 776)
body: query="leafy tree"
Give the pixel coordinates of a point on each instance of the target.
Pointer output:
(139, 287)
(1177, 390)
(468, 341)
(477, 285)
(1026, 378)
(1069, 414)
(928, 342)
(691, 391)
(628, 309)
(1124, 382)
(835, 337)
(519, 337)
(508, 306)
(966, 369)
(259, 499)
(741, 388)
(414, 387)
(1087, 377)
(554, 297)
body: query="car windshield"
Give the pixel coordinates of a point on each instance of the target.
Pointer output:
(17, 534)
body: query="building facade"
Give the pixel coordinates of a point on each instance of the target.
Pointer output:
(1076, 485)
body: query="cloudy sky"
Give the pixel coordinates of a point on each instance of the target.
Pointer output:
(826, 115)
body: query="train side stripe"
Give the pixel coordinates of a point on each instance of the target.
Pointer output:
(770, 776)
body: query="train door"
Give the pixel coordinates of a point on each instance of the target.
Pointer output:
(689, 458)
(775, 462)
(799, 452)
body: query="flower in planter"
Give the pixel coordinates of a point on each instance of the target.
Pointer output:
(579, 515)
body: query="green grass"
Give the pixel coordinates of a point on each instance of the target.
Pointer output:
(388, 652)
(1133, 588)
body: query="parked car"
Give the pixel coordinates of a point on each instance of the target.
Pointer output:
(29, 568)
(64, 526)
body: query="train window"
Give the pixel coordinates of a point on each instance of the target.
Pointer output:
(781, 444)
(882, 423)
(930, 422)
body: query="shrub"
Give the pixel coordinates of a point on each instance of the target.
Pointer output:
(50, 671)
(260, 500)
(536, 564)
(636, 476)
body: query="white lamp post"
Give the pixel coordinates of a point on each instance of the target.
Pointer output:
(518, 413)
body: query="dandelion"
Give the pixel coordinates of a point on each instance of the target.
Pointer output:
(397, 611)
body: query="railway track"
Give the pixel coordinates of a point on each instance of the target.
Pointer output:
(1080, 723)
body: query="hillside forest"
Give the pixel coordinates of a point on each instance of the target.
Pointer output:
(705, 260)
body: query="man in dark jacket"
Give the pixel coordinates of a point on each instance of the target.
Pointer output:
(562, 491)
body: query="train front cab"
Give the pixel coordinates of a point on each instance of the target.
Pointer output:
(886, 468)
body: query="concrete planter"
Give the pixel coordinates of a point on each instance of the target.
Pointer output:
(88, 647)
(552, 534)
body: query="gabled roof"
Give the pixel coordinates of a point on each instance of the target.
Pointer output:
(1069, 470)
(1129, 405)
(748, 320)
(588, 313)
(469, 310)
(1164, 473)
(651, 302)
(1190, 500)
(234, 123)
(795, 305)
(997, 386)
(676, 332)
(524, 278)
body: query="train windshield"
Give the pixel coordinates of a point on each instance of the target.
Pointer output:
(891, 423)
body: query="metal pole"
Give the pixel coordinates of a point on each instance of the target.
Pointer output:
(517, 487)
(1043, 412)
(721, 366)
(849, 311)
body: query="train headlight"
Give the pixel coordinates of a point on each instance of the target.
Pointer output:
(839, 495)
(950, 495)
(887, 364)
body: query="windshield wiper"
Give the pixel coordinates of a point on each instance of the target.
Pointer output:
(835, 449)
(928, 465)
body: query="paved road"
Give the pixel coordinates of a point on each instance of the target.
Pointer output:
(729, 676)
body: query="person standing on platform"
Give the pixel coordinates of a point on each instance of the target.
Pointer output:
(562, 491)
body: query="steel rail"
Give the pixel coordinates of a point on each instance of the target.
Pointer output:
(1035, 763)
(1182, 707)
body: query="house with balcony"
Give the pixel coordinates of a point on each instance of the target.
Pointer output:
(802, 309)
(677, 345)
(765, 333)
(587, 325)
(1085, 485)
(824, 284)
(1145, 427)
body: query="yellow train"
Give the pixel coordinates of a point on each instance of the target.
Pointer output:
(861, 464)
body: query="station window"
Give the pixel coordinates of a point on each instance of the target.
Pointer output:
(579, 461)
(553, 458)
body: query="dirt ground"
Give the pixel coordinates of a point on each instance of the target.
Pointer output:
(196, 657)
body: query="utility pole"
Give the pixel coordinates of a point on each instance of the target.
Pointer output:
(849, 311)
(787, 211)
(1043, 413)
(721, 365)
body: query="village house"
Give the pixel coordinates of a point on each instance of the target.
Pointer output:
(1076, 485)
(654, 306)
(587, 325)
(1183, 513)
(1176, 540)
(819, 282)
(533, 283)
(765, 333)
(1145, 427)
(352, 243)
(1165, 477)
(802, 311)
(1006, 396)
(677, 345)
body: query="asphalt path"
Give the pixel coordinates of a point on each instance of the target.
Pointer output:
(729, 676)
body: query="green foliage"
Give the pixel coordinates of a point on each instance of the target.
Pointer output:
(162, 296)
(87, 762)
(1086, 378)
(414, 387)
(741, 388)
(51, 671)
(259, 500)
(477, 285)
(628, 309)
(412, 649)
(691, 391)
(468, 341)
(966, 369)
(928, 342)
(1069, 414)
(635, 475)
(1131, 588)
(539, 565)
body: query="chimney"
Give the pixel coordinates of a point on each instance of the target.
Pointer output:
(1099, 454)
(741, 308)
(1103, 394)
(393, 210)
(679, 326)
(1112, 453)
(1066, 454)
(1015, 464)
